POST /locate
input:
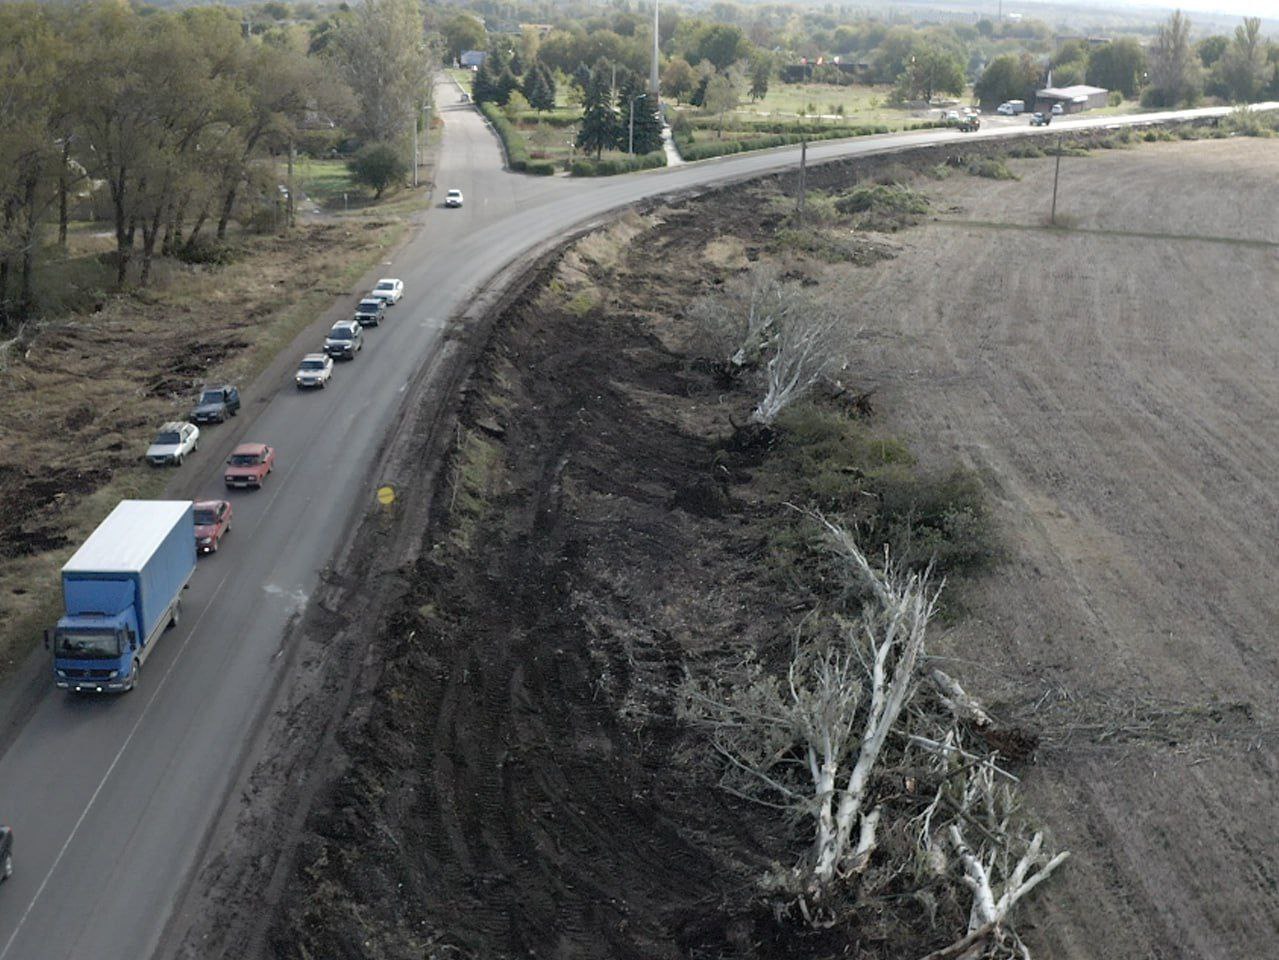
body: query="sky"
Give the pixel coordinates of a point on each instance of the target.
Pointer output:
(1230, 8)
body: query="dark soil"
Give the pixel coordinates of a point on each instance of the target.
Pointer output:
(519, 785)
(30, 505)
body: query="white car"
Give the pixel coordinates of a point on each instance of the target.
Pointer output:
(1058, 109)
(453, 198)
(173, 441)
(314, 370)
(1005, 108)
(388, 291)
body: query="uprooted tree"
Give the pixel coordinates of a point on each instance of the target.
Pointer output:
(856, 736)
(760, 320)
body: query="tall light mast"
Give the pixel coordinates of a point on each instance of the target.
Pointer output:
(653, 90)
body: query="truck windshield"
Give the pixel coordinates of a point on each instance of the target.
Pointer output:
(87, 645)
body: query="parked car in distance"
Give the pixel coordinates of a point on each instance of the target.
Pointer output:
(173, 441)
(453, 198)
(369, 312)
(212, 523)
(388, 290)
(314, 371)
(216, 404)
(345, 340)
(248, 465)
(1010, 108)
(6, 853)
(1058, 110)
(1038, 119)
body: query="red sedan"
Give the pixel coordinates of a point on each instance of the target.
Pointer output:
(249, 464)
(212, 523)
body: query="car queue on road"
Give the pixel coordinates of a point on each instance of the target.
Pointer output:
(251, 462)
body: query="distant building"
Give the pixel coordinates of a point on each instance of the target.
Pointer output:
(472, 58)
(1072, 99)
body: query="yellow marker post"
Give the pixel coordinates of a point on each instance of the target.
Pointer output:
(386, 495)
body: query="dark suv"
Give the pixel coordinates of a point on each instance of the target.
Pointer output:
(345, 340)
(369, 313)
(216, 404)
(6, 853)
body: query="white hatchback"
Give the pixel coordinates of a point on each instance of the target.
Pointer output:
(173, 441)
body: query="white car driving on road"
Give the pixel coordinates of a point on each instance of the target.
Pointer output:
(388, 290)
(173, 441)
(315, 370)
(453, 198)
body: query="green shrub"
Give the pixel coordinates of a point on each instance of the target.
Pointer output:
(882, 198)
(516, 151)
(540, 168)
(610, 166)
(207, 250)
(1025, 151)
(992, 168)
(825, 459)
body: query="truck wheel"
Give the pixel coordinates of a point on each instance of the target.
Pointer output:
(6, 871)
(177, 459)
(175, 615)
(135, 675)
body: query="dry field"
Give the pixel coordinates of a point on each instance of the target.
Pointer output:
(1118, 392)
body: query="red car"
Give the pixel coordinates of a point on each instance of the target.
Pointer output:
(212, 523)
(249, 464)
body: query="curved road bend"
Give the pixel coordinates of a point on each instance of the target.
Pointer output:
(110, 798)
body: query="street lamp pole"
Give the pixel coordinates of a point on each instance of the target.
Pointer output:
(630, 146)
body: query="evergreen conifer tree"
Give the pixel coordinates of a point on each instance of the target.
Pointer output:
(599, 116)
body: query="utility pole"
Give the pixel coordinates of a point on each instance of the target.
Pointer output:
(653, 84)
(803, 177)
(1052, 219)
(290, 209)
(416, 114)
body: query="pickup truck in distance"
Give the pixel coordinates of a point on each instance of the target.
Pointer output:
(216, 404)
(248, 465)
(120, 591)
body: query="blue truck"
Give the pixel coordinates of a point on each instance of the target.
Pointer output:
(120, 591)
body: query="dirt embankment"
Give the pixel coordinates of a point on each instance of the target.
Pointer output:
(519, 785)
(516, 784)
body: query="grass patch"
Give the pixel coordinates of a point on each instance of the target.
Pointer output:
(477, 472)
(325, 181)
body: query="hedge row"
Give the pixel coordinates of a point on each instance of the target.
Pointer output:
(516, 152)
(718, 148)
(610, 166)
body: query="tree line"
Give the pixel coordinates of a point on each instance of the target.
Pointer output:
(173, 122)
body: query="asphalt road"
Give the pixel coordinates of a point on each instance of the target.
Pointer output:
(110, 798)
